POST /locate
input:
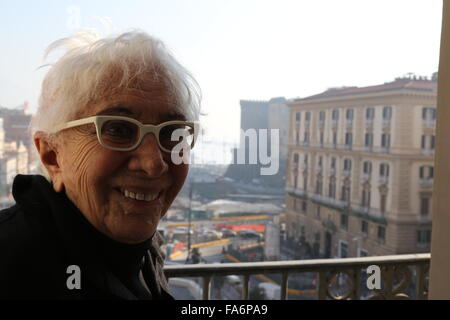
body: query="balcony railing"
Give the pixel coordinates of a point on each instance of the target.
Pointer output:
(345, 173)
(429, 123)
(327, 200)
(383, 180)
(402, 276)
(426, 182)
(428, 152)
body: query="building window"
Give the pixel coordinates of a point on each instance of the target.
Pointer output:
(368, 140)
(370, 113)
(386, 140)
(321, 138)
(305, 183)
(427, 142)
(383, 199)
(318, 213)
(384, 170)
(319, 186)
(367, 167)
(429, 114)
(344, 221)
(365, 203)
(387, 113)
(335, 115)
(345, 194)
(334, 139)
(424, 206)
(321, 117)
(364, 227)
(349, 116)
(348, 139)
(304, 206)
(347, 165)
(306, 137)
(298, 116)
(343, 249)
(423, 237)
(426, 172)
(381, 234)
(307, 116)
(296, 158)
(363, 253)
(332, 189)
(333, 163)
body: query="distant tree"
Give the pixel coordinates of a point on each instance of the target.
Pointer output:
(434, 76)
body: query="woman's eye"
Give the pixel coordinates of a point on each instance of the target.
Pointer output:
(118, 130)
(174, 133)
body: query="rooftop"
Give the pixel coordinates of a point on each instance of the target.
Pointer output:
(414, 84)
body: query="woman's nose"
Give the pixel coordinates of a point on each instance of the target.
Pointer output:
(149, 157)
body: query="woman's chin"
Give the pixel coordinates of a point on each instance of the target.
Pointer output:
(133, 233)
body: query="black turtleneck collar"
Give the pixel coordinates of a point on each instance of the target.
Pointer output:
(105, 261)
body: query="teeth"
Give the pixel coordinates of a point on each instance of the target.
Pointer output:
(140, 196)
(151, 197)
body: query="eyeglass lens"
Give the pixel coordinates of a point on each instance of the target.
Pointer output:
(125, 134)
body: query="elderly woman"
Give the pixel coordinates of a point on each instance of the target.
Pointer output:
(113, 131)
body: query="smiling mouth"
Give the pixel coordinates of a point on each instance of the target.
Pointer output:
(144, 197)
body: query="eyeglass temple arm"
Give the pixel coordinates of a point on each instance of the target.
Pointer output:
(74, 123)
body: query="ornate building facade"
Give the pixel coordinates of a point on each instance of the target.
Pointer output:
(360, 169)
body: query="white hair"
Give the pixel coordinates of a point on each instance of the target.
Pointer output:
(91, 69)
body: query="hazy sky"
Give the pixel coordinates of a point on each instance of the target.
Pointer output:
(237, 49)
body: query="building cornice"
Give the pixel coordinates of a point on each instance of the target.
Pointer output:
(366, 97)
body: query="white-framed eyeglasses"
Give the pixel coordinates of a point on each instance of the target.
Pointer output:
(125, 134)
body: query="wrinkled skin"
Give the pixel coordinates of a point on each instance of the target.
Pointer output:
(91, 175)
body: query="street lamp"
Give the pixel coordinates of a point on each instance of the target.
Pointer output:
(189, 222)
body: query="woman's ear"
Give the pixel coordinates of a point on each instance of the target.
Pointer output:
(48, 153)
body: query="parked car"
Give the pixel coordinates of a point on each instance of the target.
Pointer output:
(210, 235)
(249, 234)
(183, 229)
(228, 233)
